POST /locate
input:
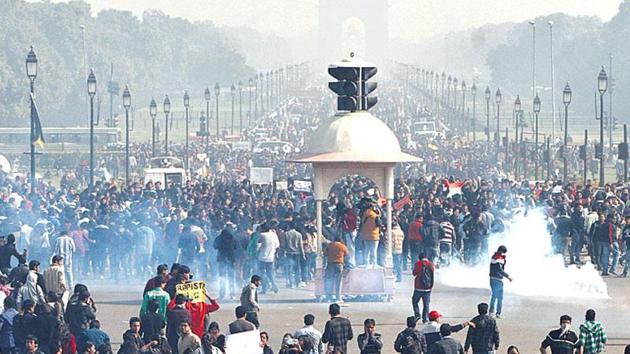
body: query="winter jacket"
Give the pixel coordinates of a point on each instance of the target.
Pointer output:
(497, 266)
(484, 337)
(593, 337)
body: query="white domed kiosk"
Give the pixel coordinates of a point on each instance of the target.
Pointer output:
(354, 143)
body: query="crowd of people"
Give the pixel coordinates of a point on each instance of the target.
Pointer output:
(233, 233)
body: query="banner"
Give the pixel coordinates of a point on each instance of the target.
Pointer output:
(244, 342)
(302, 186)
(195, 290)
(261, 175)
(281, 185)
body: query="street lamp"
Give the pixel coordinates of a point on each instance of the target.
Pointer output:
(208, 97)
(127, 104)
(31, 72)
(488, 93)
(602, 86)
(566, 99)
(250, 88)
(232, 93)
(464, 117)
(167, 110)
(517, 110)
(536, 111)
(217, 92)
(91, 86)
(240, 106)
(256, 96)
(153, 113)
(473, 91)
(187, 107)
(498, 101)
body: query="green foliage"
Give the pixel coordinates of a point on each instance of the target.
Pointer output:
(155, 55)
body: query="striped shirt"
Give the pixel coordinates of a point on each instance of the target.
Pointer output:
(562, 343)
(449, 232)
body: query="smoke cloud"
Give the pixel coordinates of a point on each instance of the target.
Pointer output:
(531, 263)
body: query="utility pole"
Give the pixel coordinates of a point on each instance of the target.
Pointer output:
(585, 156)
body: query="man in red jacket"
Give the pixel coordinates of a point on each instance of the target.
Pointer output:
(414, 236)
(424, 272)
(198, 312)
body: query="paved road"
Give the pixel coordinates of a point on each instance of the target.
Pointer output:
(526, 320)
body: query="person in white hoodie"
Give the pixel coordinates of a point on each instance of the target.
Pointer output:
(268, 243)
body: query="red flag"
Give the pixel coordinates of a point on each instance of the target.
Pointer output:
(402, 202)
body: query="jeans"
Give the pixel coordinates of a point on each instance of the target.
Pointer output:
(252, 317)
(308, 267)
(371, 252)
(348, 240)
(293, 270)
(576, 244)
(626, 266)
(397, 258)
(432, 252)
(426, 300)
(603, 255)
(446, 251)
(332, 281)
(615, 257)
(226, 278)
(496, 286)
(415, 247)
(266, 272)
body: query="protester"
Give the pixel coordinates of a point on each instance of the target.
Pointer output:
(484, 336)
(447, 344)
(592, 335)
(370, 341)
(241, 324)
(423, 271)
(312, 333)
(410, 340)
(338, 330)
(497, 273)
(249, 300)
(562, 340)
(335, 253)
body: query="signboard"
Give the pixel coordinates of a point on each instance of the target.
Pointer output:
(244, 342)
(241, 145)
(302, 186)
(195, 290)
(261, 175)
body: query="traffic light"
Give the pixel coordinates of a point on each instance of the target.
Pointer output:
(623, 151)
(352, 86)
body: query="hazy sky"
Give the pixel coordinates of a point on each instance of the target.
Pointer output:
(408, 18)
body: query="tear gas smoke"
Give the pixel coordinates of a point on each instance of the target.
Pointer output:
(531, 263)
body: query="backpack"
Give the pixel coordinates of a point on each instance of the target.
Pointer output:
(426, 276)
(408, 343)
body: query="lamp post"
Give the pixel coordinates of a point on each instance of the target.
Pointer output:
(488, 93)
(232, 93)
(250, 88)
(553, 83)
(449, 81)
(31, 72)
(517, 110)
(187, 107)
(454, 109)
(256, 96)
(127, 104)
(473, 91)
(566, 99)
(167, 110)
(208, 96)
(464, 120)
(268, 90)
(217, 92)
(153, 113)
(91, 86)
(536, 111)
(240, 106)
(498, 102)
(602, 86)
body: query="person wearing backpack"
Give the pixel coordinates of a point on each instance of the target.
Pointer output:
(424, 275)
(410, 340)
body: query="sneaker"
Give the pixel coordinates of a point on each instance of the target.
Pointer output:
(498, 317)
(613, 272)
(302, 285)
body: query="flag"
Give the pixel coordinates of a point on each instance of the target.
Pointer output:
(37, 135)
(402, 202)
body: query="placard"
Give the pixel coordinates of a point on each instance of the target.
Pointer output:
(261, 175)
(195, 290)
